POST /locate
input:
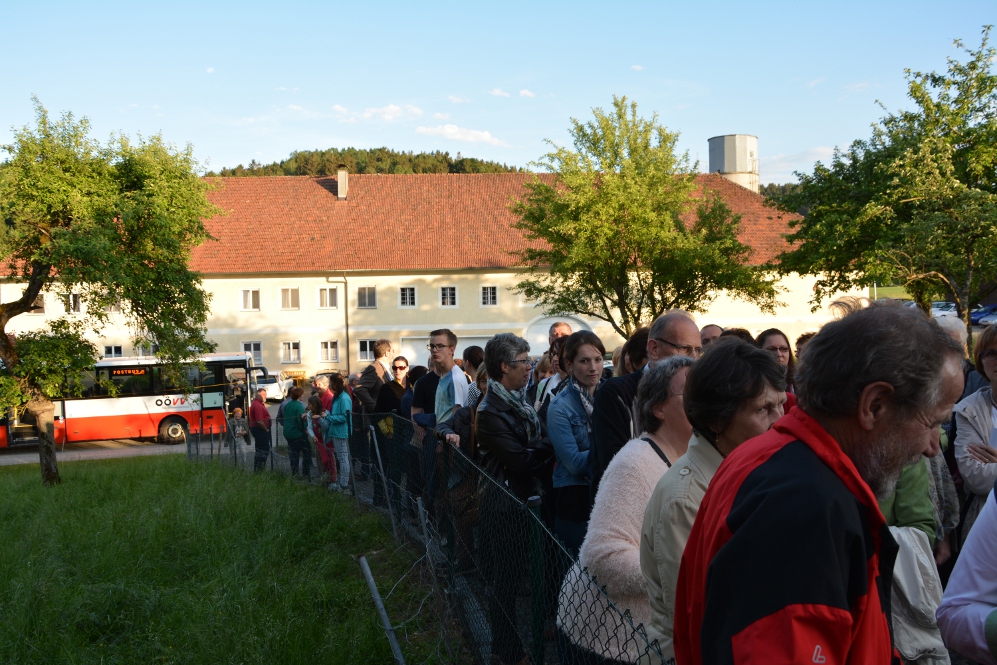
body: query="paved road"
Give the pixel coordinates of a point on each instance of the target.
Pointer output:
(97, 449)
(89, 450)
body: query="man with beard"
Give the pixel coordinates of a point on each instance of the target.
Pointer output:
(790, 560)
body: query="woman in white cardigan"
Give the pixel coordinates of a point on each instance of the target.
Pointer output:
(610, 554)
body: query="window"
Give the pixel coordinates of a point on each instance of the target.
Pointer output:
(329, 351)
(114, 306)
(256, 348)
(113, 351)
(406, 296)
(38, 306)
(74, 304)
(489, 296)
(289, 299)
(145, 350)
(367, 297)
(448, 296)
(290, 352)
(328, 297)
(251, 300)
(367, 349)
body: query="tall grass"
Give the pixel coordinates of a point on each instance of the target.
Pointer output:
(159, 560)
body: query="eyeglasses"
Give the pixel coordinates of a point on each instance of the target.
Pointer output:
(399, 368)
(525, 361)
(777, 349)
(989, 354)
(436, 347)
(684, 349)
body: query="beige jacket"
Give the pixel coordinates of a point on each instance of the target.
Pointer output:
(667, 523)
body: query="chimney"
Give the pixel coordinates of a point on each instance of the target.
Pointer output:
(342, 183)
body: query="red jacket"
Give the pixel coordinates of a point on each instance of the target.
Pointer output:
(787, 558)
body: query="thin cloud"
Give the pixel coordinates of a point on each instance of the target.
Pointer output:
(456, 133)
(526, 93)
(391, 112)
(858, 87)
(441, 116)
(458, 100)
(636, 68)
(340, 109)
(498, 92)
(294, 107)
(811, 84)
(210, 70)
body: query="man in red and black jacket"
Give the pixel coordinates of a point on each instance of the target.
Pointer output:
(790, 559)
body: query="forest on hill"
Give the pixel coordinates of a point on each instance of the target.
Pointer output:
(357, 160)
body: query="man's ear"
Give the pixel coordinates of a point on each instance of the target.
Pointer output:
(874, 404)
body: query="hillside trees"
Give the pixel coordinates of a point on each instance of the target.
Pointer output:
(113, 224)
(620, 233)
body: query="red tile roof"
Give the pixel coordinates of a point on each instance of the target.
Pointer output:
(439, 221)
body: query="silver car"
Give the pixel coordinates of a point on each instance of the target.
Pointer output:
(275, 386)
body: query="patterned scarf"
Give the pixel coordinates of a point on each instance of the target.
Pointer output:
(517, 400)
(584, 395)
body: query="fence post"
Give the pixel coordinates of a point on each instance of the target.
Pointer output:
(537, 596)
(389, 631)
(384, 482)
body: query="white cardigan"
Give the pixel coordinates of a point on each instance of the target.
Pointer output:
(611, 554)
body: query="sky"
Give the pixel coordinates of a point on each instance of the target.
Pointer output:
(243, 81)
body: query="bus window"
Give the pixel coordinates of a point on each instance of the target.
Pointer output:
(132, 380)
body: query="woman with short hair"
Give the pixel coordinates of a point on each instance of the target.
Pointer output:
(975, 418)
(509, 438)
(733, 393)
(296, 434)
(611, 550)
(569, 425)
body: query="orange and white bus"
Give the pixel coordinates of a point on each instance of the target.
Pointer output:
(146, 405)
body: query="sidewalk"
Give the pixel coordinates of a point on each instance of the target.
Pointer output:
(90, 450)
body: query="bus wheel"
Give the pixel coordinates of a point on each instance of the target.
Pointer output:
(173, 431)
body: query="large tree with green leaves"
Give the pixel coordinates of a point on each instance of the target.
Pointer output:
(916, 204)
(622, 232)
(112, 223)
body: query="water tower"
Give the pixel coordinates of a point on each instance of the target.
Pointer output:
(735, 157)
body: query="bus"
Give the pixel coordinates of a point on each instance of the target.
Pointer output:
(146, 406)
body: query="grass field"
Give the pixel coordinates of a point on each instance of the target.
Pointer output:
(160, 560)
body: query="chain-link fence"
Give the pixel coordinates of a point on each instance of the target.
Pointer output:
(495, 567)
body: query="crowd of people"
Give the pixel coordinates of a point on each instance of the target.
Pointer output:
(744, 500)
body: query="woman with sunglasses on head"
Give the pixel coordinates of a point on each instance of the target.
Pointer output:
(975, 419)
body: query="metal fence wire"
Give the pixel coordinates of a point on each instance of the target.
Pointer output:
(496, 569)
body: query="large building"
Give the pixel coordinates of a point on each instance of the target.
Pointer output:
(306, 273)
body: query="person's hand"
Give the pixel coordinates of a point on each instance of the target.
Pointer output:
(982, 454)
(453, 438)
(943, 551)
(325, 414)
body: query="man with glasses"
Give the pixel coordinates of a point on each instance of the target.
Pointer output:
(614, 414)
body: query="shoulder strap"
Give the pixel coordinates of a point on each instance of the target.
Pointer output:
(657, 450)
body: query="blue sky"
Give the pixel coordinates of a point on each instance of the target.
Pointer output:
(243, 81)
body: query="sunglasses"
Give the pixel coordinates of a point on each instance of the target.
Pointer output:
(399, 368)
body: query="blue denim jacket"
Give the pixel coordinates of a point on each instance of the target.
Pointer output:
(567, 426)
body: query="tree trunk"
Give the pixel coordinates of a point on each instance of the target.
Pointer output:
(44, 412)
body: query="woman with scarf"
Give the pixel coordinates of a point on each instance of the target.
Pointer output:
(569, 424)
(515, 456)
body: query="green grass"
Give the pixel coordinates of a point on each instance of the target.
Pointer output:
(889, 292)
(160, 560)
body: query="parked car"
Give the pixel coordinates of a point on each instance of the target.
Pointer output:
(941, 308)
(276, 386)
(981, 312)
(988, 320)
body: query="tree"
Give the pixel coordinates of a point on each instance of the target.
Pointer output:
(376, 160)
(916, 204)
(112, 224)
(619, 233)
